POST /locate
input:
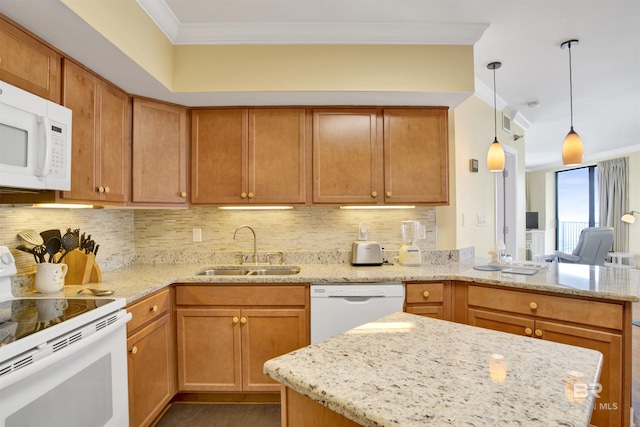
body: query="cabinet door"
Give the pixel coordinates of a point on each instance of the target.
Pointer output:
(277, 156)
(159, 164)
(209, 348)
(28, 64)
(114, 144)
(218, 156)
(416, 156)
(347, 156)
(433, 311)
(609, 409)
(81, 94)
(150, 370)
(268, 333)
(500, 322)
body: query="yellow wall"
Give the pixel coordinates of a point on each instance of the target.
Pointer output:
(129, 28)
(541, 198)
(475, 192)
(324, 68)
(246, 68)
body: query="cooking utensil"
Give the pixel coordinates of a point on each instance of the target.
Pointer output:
(25, 248)
(31, 236)
(97, 292)
(39, 252)
(69, 242)
(50, 234)
(53, 247)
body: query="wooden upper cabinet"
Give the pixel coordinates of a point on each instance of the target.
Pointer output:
(100, 137)
(347, 156)
(159, 153)
(416, 156)
(27, 63)
(248, 156)
(218, 149)
(115, 145)
(81, 94)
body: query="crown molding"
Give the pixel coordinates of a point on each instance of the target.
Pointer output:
(310, 32)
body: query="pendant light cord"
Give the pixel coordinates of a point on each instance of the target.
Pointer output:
(570, 86)
(495, 108)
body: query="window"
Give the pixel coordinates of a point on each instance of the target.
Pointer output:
(576, 205)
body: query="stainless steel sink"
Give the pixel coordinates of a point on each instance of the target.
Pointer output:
(258, 270)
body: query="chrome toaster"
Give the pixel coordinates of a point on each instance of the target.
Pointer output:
(364, 252)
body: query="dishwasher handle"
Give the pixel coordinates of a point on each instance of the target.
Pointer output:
(357, 299)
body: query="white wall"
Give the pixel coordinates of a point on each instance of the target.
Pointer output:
(471, 133)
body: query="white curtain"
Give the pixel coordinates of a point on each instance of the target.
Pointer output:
(612, 183)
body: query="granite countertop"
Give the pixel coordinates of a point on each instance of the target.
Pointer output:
(408, 370)
(140, 280)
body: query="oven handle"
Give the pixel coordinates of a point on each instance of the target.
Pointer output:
(48, 360)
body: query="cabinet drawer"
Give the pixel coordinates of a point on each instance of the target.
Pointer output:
(148, 309)
(425, 293)
(586, 312)
(241, 295)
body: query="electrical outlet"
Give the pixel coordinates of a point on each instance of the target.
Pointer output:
(482, 222)
(197, 234)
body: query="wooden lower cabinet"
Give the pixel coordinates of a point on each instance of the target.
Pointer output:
(223, 343)
(300, 411)
(429, 299)
(151, 358)
(560, 319)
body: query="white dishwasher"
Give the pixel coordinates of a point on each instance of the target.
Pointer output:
(336, 308)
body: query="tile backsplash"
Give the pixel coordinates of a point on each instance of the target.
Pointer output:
(146, 235)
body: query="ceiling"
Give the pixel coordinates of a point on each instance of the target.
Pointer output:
(525, 35)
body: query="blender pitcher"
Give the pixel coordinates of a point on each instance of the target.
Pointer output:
(410, 252)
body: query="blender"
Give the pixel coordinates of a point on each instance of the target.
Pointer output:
(410, 252)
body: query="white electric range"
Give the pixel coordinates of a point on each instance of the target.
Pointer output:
(63, 361)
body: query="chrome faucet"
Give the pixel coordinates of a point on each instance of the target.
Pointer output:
(255, 244)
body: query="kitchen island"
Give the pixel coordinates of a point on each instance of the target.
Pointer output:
(407, 370)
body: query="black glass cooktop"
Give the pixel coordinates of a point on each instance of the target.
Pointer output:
(22, 317)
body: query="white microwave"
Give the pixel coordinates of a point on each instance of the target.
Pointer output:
(35, 142)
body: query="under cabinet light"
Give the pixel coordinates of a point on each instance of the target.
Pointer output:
(377, 207)
(254, 208)
(65, 206)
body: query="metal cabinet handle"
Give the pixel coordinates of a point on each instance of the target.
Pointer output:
(133, 350)
(101, 189)
(538, 333)
(235, 320)
(533, 305)
(154, 308)
(425, 294)
(243, 320)
(374, 194)
(528, 331)
(106, 189)
(243, 195)
(250, 195)
(183, 194)
(388, 193)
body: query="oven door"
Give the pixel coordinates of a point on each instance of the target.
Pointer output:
(84, 384)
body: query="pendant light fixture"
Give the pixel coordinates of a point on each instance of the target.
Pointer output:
(572, 148)
(495, 156)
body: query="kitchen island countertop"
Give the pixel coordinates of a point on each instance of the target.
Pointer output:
(140, 280)
(407, 370)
